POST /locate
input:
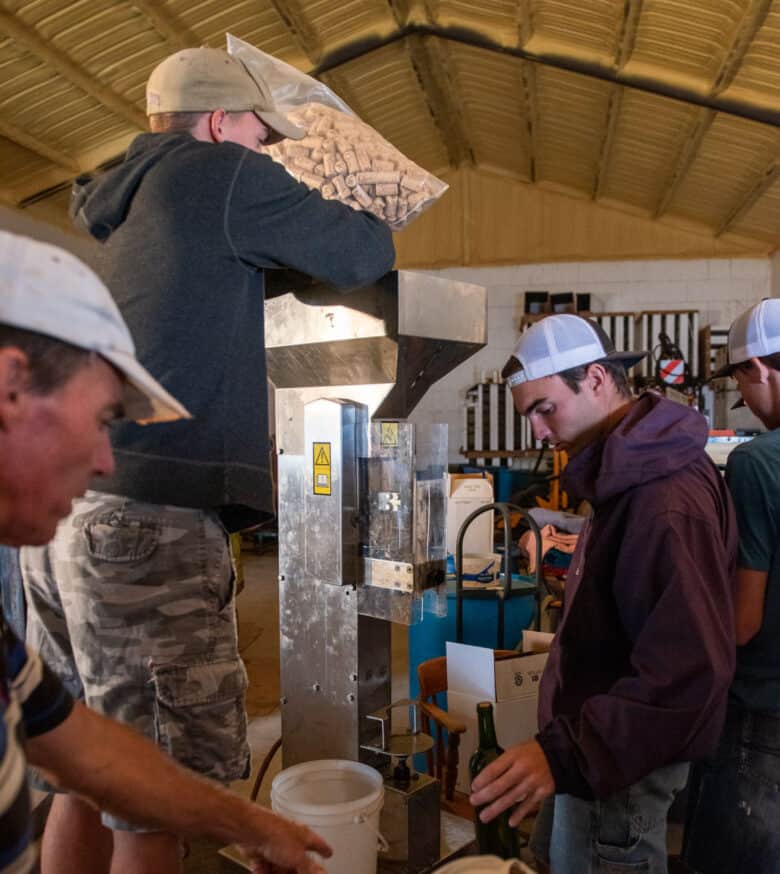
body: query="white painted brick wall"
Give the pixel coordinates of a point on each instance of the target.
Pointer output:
(719, 288)
(775, 262)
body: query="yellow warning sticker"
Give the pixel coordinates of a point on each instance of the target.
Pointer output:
(389, 435)
(321, 458)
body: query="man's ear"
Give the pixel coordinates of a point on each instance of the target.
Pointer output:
(759, 372)
(596, 377)
(216, 125)
(14, 379)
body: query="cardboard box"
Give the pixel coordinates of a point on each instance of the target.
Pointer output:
(467, 492)
(512, 684)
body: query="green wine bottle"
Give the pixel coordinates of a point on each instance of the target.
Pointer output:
(495, 838)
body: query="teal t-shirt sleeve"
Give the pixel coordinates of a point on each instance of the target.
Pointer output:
(758, 531)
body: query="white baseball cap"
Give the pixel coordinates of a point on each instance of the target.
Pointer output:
(560, 342)
(752, 335)
(50, 291)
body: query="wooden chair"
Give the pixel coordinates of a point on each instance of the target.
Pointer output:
(442, 760)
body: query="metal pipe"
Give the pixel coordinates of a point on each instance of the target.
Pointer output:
(463, 36)
(504, 509)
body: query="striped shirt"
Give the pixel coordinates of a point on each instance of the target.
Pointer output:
(32, 702)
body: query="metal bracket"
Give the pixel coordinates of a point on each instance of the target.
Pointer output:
(399, 745)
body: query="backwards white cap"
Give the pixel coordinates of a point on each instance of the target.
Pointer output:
(48, 290)
(560, 342)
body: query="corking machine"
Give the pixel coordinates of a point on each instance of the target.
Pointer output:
(362, 517)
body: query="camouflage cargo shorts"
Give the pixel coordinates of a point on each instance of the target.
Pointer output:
(133, 606)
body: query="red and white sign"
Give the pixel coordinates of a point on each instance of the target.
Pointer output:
(672, 371)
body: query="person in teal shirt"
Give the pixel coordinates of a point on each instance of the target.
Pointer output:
(734, 812)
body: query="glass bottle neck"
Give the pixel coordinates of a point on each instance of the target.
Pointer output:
(487, 729)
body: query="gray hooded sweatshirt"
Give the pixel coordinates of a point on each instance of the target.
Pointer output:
(187, 229)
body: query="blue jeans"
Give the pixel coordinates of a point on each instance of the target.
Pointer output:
(622, 834)
(734, 811)
(11, 590)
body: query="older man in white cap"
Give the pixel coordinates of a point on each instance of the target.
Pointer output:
(188, 224)
(68, 372)
(734, 814)
(635, 684)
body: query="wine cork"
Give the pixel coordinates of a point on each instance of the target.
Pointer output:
(414, 200)
(350, 159)
(372, 178)
(341, 186)
(362, 196)
(364, 161)
(311, 180)
(413, 181)
(385, 188)
(305, 164)
(295, 151)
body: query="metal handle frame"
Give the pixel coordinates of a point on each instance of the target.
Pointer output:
(501, 594)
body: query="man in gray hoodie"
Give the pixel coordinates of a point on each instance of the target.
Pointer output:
(635, 684)
(133, 602)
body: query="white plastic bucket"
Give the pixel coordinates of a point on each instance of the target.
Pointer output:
(341, 801)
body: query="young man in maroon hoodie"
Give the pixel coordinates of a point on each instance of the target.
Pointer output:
(635, 684)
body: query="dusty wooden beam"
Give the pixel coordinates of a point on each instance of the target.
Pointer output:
(7, 199)
(525, 21)
(531, 116)
(752, 21)
(292, 14)
(401, 10)
(632, 11)
(605, 156)
(685, 159)
(167, 25)
(68, 69)
(757, 189)
(33, 144)
(432, 68)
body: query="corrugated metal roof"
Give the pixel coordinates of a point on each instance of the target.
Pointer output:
(664, 108)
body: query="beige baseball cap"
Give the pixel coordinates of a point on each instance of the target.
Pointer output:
(202, 80)
(50, 291)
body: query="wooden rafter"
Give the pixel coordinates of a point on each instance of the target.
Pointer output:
(752, 21)
(759, 187)
(401, 10)
(296, 22)
(33, 144)
(168, 25)
(610, 128)
(531, 115)
(431, 66)
(632, 12)
(525, 21)
(685, 159)
(68, 69)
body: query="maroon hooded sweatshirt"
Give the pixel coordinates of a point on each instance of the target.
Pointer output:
(639, 669)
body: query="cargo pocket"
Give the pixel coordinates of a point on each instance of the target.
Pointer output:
(200, 718)
(118, 536)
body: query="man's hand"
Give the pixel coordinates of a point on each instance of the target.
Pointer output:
(520, 776)
(286, 850)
